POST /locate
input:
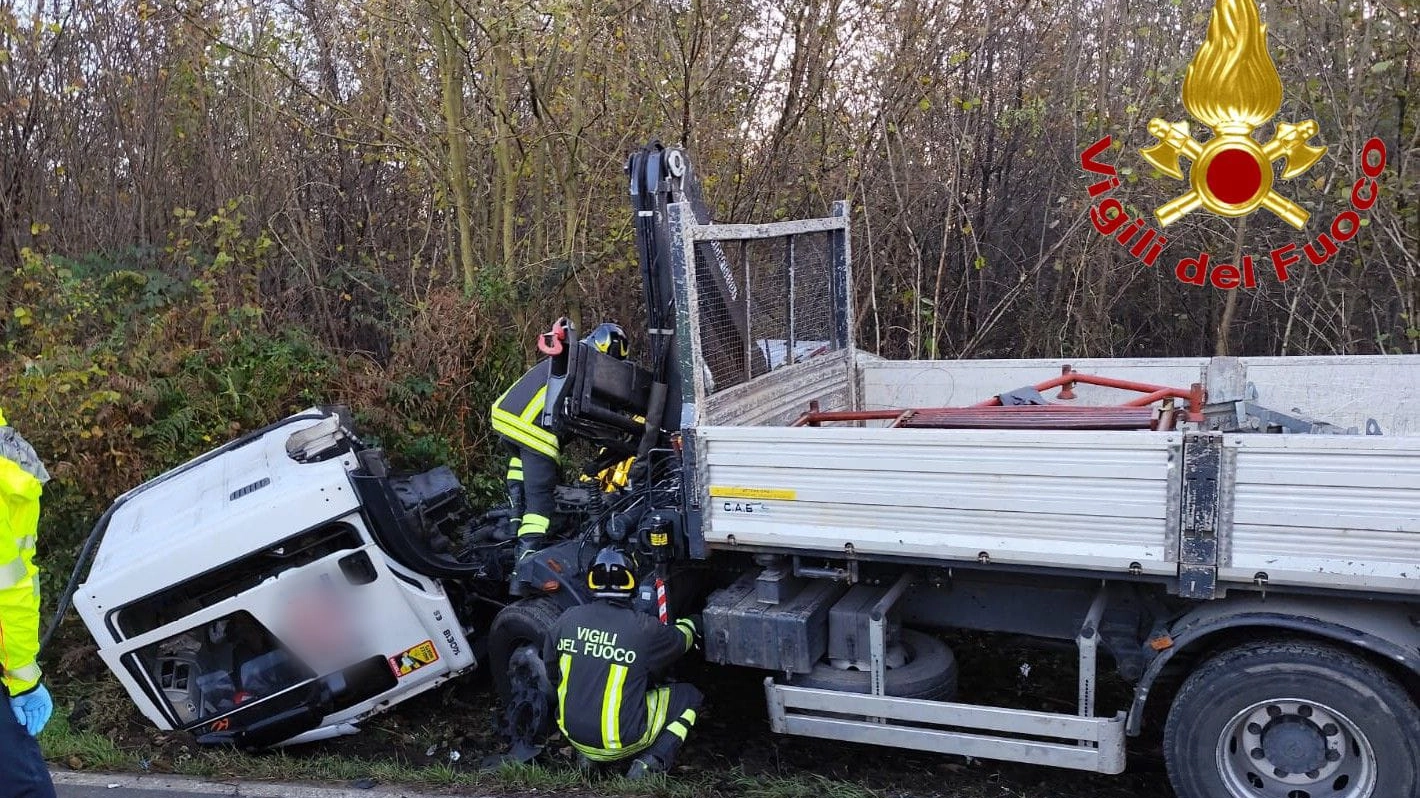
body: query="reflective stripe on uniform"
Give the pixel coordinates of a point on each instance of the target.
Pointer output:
(680, 727)
(534, 408)
(602, 755)
(658, 703)
(515, 469)
(13, 573)
(534, 524)
(595, 754)
(25, 673)
(687, 628)
(564, 667)
(611, 708)
(525, 434)
(516, 412)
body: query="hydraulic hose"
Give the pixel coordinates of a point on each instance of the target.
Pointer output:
(66, 597)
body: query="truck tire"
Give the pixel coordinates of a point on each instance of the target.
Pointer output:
(524, 623)
(930, 672)
(1292, 719)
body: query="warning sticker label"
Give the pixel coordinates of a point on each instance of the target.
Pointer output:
(411, 660)
(741, 492)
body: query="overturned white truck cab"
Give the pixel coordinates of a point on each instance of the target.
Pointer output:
(270, 590)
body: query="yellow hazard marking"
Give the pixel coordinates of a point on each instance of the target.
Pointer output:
(732, 492)
(411, 660)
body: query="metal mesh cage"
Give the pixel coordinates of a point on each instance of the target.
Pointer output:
(764, 304)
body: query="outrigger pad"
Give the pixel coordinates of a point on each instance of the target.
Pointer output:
(593, 395)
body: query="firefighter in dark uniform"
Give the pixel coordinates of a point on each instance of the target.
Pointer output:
(533, 468)
(607, 658)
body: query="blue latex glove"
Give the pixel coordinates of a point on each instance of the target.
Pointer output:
(33, 709)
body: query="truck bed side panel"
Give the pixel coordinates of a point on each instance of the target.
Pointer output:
(956, 383)
(1329, 511)
(1344, 390)
(1059, 499)
(784, 394)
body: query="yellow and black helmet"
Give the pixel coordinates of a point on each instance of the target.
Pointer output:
(610, 339)
(611, 575)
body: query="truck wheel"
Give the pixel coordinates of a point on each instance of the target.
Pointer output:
(930, 671)
(525, 623)
(1292, 719)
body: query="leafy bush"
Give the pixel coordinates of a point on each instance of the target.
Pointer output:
(123, 367)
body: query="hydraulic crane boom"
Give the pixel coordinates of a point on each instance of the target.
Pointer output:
(660, 176)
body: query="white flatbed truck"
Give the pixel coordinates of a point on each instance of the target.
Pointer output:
(1253, 573)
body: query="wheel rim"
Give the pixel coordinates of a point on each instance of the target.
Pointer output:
(1291, 748)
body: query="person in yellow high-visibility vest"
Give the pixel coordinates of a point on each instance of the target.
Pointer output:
(533, 468)
(26, 703)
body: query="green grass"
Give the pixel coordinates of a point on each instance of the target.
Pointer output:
(533, 776)
(735, 783)
(280, 766)
(107, 708)
(796, 786)
(85, 750)
(90, 751)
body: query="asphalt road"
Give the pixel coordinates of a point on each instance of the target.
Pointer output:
(99, 785)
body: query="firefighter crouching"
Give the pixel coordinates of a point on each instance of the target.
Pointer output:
(533, 468)
(606, 659)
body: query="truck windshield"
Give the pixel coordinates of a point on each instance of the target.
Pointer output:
(215, 667)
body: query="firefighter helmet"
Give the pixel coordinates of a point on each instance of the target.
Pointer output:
(611, 575)
(610, 339)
